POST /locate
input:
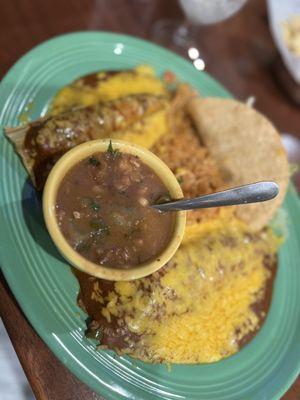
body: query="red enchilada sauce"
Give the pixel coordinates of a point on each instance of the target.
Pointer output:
(115, 333)
(103, 210)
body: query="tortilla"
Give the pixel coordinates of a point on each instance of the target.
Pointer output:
(246, 147)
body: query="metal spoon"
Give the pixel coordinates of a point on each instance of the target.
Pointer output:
(252, 193)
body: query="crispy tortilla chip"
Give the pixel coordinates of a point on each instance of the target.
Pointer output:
(247, 148)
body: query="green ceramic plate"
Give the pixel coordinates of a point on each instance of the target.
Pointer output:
(45, 287)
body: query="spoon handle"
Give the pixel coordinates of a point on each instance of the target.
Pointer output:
(251, 193)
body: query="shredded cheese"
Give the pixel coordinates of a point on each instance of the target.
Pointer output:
(145, 132)
(200, 307)
(124, 83)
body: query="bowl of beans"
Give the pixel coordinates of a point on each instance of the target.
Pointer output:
(97, 208)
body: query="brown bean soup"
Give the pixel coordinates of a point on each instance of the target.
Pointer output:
(103, 210)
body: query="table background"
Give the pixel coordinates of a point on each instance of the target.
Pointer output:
(240, 53)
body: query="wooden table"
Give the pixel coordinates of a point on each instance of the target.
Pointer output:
(239, 53)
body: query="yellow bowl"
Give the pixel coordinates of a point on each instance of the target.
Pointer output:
(49, 199)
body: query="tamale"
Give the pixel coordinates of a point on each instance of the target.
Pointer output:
(41, 143)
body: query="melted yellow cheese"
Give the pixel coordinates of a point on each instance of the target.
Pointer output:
(199, 309)
(124, 83)
(145, 132)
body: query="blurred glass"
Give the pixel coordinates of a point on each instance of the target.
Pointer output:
(181, 35)
(205, 12)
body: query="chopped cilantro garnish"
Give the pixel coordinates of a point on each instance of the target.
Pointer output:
(94, 205)
(89, 202)
(111, 151)
(82, 247)
(95, 225)
(93, 161)
(99, 227)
